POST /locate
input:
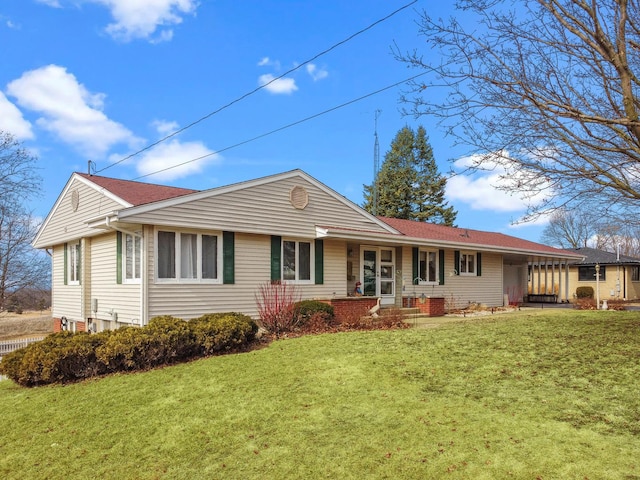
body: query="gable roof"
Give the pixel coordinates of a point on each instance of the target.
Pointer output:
(472, 238)
(136, 193)
(593, 256)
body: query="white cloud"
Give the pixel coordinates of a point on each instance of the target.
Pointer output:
(279, 86)
(165, 127)
(51, 3)
(142, 19)
(495, 188)
(315, 73)
(12, 121)
(263, 62)
(69, 110)
(172, 159)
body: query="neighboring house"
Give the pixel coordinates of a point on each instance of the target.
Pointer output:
(124, 252)
(619, 274)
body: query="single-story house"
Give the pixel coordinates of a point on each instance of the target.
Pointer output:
(123, 252)
(619, 274)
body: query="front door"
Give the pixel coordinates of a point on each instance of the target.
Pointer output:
(378, 273)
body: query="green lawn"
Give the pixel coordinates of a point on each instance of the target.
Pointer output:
(543, 394)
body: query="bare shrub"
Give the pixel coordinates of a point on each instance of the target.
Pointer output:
(276, 307)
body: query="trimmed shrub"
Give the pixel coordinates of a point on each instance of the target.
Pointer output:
(175, 336)
(59, 358)
(66, 357)
(216, 332)
(307, 309)
(584, 292)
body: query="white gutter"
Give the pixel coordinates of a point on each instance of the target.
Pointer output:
(360, 236)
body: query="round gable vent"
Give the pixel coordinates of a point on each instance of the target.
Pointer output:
(75, 200)
(299, 197)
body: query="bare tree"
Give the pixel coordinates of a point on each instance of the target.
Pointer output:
(619, 237)
(570, 229)
(545, 91)
(586, 228)
(21, 266)
(19, 178)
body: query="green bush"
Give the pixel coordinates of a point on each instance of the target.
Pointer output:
(175, 337)
(66, 357)
(584, 292)
(216, 332)
(307, 309)
(60, 357)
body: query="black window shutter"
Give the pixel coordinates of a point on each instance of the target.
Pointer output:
(228, 258)
(66, 264)
(478, 264)
(441, 267)
(456, 261)
(79, 255)
(319, 261)
(118, 258)
(276, 257)
(415, 252)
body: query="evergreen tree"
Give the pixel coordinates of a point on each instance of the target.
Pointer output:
(409, 184)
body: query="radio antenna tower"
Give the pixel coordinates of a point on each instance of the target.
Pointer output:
(376, 162)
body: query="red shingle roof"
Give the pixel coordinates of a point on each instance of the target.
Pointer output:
(430, 231)
(137, 193)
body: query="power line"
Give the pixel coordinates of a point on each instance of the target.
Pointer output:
(180, 130)
(298, 122)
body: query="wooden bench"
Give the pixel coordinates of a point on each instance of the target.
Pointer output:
(542, 298)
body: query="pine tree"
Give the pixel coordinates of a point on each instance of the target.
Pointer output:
(409, 184)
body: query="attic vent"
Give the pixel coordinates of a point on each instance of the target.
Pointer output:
(299, 197)
(75, 200)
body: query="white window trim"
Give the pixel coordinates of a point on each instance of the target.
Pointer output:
(73, 252)
(475, 264)
(133, 280)
(312, 257)
(178, 265)
(436, 280)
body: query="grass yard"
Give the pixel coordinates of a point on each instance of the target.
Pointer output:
(544, 394)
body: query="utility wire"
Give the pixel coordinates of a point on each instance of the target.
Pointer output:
(258, 88)
(298, 122)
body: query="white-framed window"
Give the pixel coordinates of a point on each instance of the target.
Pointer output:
(73, 263)
(467, 263)
(188, 256)
(132, 257)
(297, 261)
(427, 266)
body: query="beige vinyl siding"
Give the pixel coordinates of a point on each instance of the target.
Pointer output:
(262, 209)
(65, 224)
(122, 298)
(67, 298)
(459, 290)
(252, 269)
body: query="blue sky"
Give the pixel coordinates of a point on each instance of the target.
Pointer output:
(103, 79)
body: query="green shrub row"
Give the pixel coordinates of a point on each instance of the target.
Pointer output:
(67, 357)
